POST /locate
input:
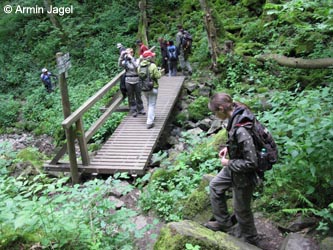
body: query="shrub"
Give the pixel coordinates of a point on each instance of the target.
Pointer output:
(9, 111)
(198, 109)
(44, 212)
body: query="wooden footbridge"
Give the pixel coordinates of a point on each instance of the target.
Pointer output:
(129, 148)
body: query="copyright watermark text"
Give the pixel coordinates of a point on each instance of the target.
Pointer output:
(19, 9)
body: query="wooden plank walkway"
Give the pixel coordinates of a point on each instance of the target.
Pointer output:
(130, 147)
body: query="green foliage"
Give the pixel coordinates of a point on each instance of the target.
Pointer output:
(7, 157)
(198, 109)
(33, 211)
(327, 215)
(48, 213)
(170, 187)
(85, 34)
(31, 156)
(191, 247)
(9, 111)
(302, 127)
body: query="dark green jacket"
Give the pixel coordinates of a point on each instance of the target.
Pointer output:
(242, 153)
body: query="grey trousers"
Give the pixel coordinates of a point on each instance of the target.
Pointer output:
(242, 197)
(184, 63)
(134, 97)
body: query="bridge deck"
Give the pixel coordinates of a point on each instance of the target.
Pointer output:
(130, 147)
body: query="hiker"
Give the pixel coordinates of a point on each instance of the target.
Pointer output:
(239, 161)
(151, 96)
(164, 54)
(130, 63)
(121, 48)
(46, 79)
(183, 51)
(142, 47)
(172, 58)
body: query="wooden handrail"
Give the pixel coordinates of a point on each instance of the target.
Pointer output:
(70, 120)
(78, 133)
(92, 130)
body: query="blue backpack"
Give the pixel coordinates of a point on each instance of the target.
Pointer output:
(172, 53)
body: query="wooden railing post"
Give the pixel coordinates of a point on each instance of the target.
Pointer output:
(80, 135)
(69, 132)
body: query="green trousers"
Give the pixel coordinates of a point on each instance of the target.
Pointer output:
(242, 196)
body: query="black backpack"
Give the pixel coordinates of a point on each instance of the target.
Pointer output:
(186, 40)
(266, 147)
(122, 86)
(145, 80)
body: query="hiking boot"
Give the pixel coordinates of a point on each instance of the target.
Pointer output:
(134, 114)
(259, 241)
(216, 226)
(149, 126)
(142, 112)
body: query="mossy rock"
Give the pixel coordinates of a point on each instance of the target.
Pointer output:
(262, 90)
(207, 151)
(163, 174)
(175, 236)
(197, 206)
(198, 109)
(248, 48)
(326, 243)
(220, 139)
(32, 156)
(181, 118)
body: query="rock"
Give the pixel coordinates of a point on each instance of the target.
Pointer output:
(172, 140)
(326, 244)
(215, 126)
(295, 241)
(269, 230)
(302, 222)
(176, 131)
(131, 199)
(175, 236)
(21, 141)
(204, 124)
(140, 222)
(183, 105)
(150, 227)
(190, 86)
(120, 189)
(204, 91)
(195, 131)
(197, 206)
(180, 147)
(119, 204)
(190, 125)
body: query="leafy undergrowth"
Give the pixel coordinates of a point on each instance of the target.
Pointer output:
(48, 213)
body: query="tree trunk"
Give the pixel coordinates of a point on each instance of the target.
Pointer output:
(52, 17)
(300, 63)
(211, 33)
(143, 23)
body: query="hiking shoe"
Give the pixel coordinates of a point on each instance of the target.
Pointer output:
(142, 112)
(259, 241)
(135, 114)
(149, 126)
(216, 226)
